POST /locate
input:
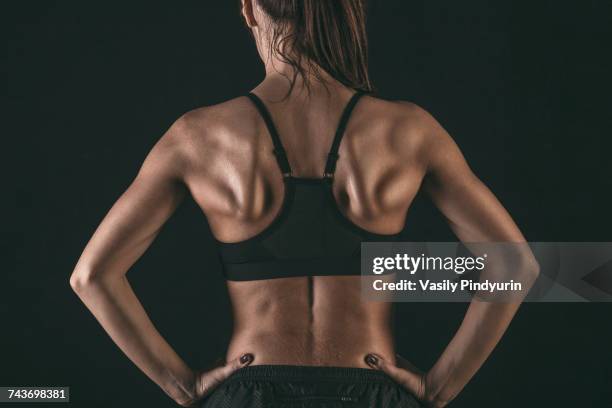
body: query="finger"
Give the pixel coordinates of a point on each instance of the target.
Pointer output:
(211, 379)
(420, 375)
(409, 379)
(376, 361)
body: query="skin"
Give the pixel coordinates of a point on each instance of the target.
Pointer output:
(390, 150)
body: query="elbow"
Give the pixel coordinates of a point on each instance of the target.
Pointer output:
(530, 269)
(525, 272)
(83, 278)
(517, 263)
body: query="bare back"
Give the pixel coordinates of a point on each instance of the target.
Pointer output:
(318, 320)
(223, 156)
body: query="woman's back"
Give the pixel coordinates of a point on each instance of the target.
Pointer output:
(234, 177)
(236, 180)
(290, 188)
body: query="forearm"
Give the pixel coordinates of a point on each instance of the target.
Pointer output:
(480, 331)
(114, 304)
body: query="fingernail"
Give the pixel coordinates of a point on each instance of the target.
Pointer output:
(246, 358)
(371, 359)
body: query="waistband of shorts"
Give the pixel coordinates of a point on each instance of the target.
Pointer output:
(309, 373)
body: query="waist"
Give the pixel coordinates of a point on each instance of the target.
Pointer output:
(306, 386)
(338, 346)
(284, 373)
(318, 321)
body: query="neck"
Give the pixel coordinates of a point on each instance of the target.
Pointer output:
(279, 75)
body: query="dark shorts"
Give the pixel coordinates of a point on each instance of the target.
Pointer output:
(275, 386)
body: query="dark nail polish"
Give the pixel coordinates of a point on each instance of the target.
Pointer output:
(371, 360)
(246, 358)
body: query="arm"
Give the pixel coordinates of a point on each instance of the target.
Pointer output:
(99, 278)
(125, 233)
(475, 215)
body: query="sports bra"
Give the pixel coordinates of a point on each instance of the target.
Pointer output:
(309, 236)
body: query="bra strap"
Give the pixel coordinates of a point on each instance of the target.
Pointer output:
(332, 157)
(279, 150)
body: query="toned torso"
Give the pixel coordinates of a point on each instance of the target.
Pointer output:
(222, 156)
(234, 178)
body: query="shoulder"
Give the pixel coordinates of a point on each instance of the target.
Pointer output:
(204, 124)
(204, 133)
(410, 129)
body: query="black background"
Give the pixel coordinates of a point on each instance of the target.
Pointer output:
(523, 87)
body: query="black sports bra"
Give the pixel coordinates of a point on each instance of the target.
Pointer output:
(309, 236)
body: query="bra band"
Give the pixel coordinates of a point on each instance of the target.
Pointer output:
(279, 150)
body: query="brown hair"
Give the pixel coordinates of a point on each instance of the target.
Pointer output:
(315, 35)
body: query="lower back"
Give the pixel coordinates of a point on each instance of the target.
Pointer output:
(319, 320)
